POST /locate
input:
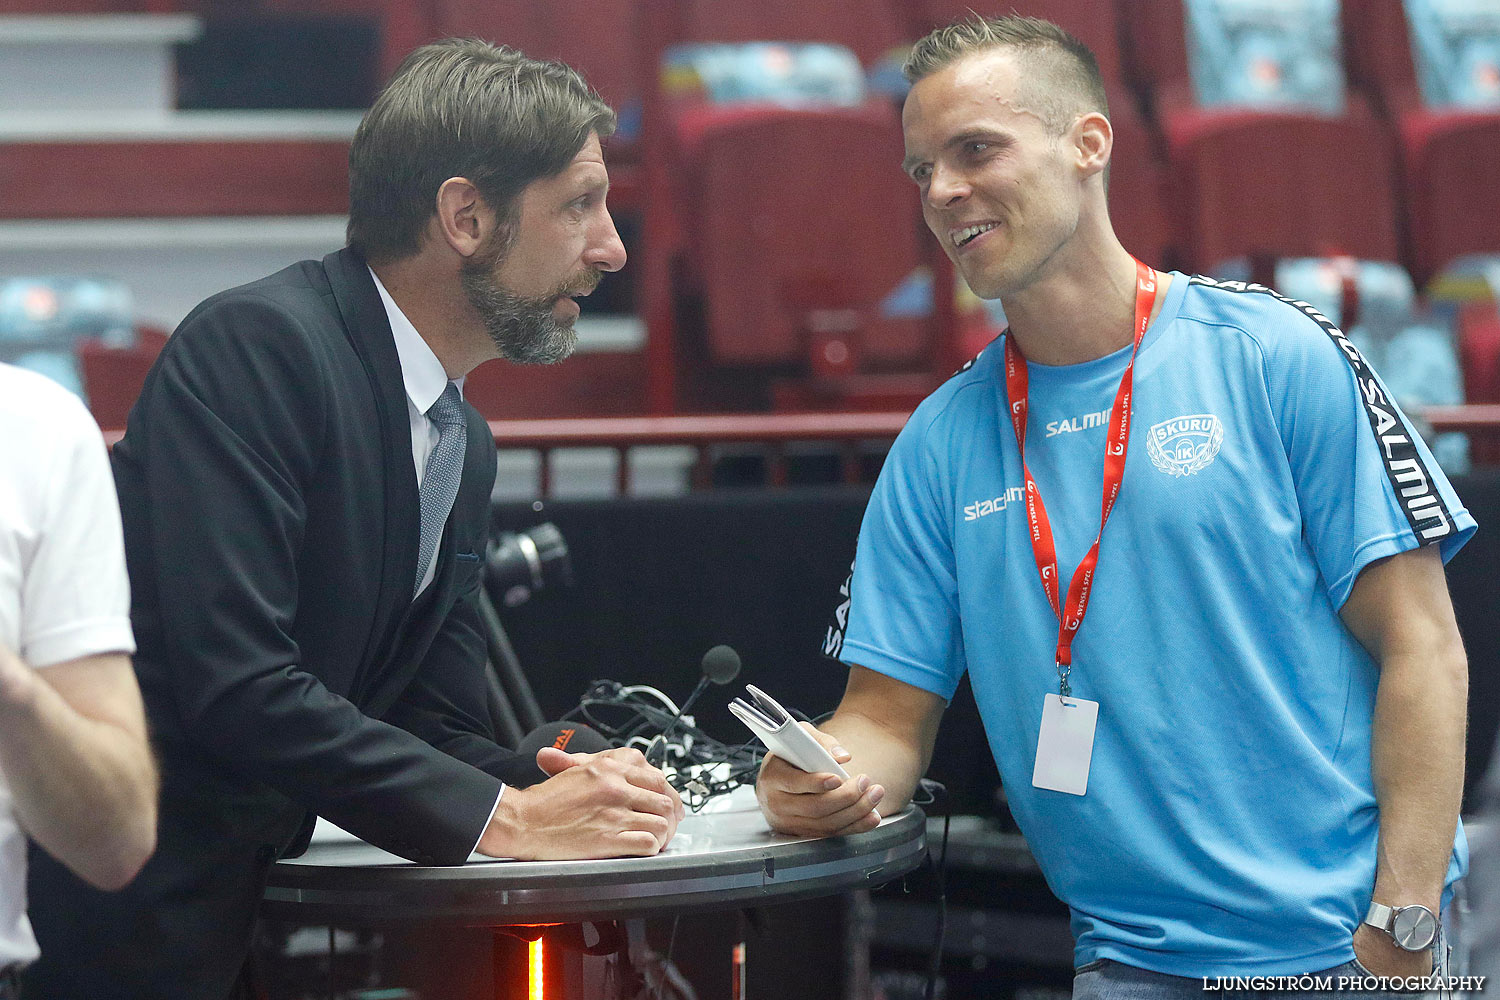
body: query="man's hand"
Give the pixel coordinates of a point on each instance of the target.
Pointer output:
(1380, 955)
(594, 805)
(816, 805)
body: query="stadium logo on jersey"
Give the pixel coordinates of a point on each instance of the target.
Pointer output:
(1185, 445)
(995, 505)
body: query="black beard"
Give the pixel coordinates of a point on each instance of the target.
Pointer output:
(523, 329)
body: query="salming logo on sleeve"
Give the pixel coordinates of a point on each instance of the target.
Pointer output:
(1415, 489)
(833, 642)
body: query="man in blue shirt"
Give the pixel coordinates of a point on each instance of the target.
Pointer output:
(1203, 611)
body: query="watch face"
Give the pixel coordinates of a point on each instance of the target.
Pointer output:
(1414, 928)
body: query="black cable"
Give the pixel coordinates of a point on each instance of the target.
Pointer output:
(700, 766)
(623, 717)
(934, 791)
(667, 964)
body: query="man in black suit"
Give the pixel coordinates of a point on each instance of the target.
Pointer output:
(304, 601)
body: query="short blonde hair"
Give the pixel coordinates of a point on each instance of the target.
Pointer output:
(1066, 80)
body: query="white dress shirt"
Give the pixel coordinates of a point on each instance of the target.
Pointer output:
(425, 381)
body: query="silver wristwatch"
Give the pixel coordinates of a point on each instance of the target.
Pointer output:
(1413, 928)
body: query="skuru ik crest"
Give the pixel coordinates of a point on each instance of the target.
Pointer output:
(1185, 445)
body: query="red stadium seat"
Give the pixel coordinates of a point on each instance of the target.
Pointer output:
(1479, 351)
(1153, 45)
(113, 376)
(608, 42)
(1282, 183)
(1250, 182)
(1377, 51)
(871, 28)
(1449, 159)
(788, 226)
(1479, 358)
(595, 37)
(803, 223)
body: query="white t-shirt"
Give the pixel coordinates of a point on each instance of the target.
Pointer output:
(63, 589)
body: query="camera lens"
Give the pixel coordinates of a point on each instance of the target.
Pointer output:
(520, 563)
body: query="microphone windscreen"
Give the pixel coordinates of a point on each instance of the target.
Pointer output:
(570, 737)
(721, 664)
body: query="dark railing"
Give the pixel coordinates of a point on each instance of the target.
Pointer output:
(774, 431)
(844, 430)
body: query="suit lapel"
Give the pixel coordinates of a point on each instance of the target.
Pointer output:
(369, 331)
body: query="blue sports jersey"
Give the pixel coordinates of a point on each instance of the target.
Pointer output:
(1230, 821)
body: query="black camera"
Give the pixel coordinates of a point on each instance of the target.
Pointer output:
(519, 563)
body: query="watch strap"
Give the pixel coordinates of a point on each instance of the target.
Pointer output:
(1379, 916)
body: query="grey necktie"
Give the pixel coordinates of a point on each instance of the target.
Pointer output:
(445, 467)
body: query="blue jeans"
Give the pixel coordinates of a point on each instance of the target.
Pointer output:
(1110, 980)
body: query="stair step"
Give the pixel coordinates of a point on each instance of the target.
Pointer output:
(91, 61)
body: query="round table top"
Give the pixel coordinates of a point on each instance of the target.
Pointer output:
(722, 857)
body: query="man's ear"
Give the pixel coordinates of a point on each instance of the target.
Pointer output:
(1094, 141)
(462, 217)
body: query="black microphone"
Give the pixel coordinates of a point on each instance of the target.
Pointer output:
(720, 665)
(570, 737)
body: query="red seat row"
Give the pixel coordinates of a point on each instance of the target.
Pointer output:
(772, 235)
(1449, 159)
(1217, 183)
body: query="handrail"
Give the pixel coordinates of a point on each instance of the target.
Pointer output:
(775, 430)
(700, 430)
(772, 427)
(1481, 418)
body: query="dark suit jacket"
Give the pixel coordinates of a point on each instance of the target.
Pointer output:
(271, 526)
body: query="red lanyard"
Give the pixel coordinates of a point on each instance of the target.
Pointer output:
(1042, 546)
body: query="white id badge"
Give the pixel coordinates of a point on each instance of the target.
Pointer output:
(1066, 744)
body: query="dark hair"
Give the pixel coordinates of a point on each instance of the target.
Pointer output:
(1062, 58)
(462, 108)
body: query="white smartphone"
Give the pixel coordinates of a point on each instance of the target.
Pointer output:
(782, 734)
